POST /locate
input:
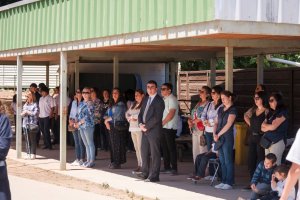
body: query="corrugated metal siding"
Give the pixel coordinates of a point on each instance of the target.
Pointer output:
(37, 74)
(55, 21)
(284, 11)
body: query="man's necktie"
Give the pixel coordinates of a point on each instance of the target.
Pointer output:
(146, 109)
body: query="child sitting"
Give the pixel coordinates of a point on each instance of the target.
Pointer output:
(277, 184)
(261, 180)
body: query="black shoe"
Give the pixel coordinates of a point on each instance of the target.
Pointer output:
(152, 180)
(141, 176)
(45, 147)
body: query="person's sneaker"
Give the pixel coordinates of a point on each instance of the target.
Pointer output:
(90, 165)
(174, 172)
(85, 164)
(226, 187)
(208, 178)
(219, 186)
(75, 163)
(80, 162)
(33, 156)
(191, 177)
(166, 171)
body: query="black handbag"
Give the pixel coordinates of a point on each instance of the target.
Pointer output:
(265, 142)
(121, 125)
(32, 127)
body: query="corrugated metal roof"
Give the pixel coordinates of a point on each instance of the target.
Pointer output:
(49, 22)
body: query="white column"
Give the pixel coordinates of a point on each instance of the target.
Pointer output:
(19, 107)
(212, 74)
(229, 68)
(116, 72)
(47, 75)
(63, 109)
(260, 69)
(76, 74)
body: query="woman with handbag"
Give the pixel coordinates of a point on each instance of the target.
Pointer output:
(224, 138)
(196, 125)
(275, 127)
(210, 113)
(79, 146)
(117, 125)
(30, 127)
(136, 133)
(85, 125)
(254, 118)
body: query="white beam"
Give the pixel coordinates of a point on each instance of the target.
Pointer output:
(260, 69)
(19, 107)
(229, 68)
(77, 74)
(116, 72)
(63, 109)
(47, 75)
(212, 74)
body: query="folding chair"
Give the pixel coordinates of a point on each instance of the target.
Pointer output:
(216, 164)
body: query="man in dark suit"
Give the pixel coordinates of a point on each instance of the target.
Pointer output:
(150, 122)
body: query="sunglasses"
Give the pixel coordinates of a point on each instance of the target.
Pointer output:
(85, 92)
(256, 98)
(271, 100)
(213, 92)
(163, 89)
(78, 92)
(201, 91)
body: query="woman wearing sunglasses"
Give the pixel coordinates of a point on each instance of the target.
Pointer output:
(195, 119)
(275, 126)
(254, 118)
(86, 126)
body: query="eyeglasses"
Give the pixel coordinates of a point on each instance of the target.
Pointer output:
(163, 89)
(85, 92)
(213, 92)
(271, 100)
(201, 91)
(256, 98)
(78, 92)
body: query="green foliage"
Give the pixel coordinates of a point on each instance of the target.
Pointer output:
(238, 63)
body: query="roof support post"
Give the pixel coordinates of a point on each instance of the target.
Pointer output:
(212, 74)
(229, 68)
(63, 108)
(167, 72)
(76, 75)
(19, 107)
(260, 69)
(47, 75)
(116, 72)
(173, 75)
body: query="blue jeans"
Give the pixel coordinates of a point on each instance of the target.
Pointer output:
(209, 140)
(4, 184)
(79, 146)
(87, 136)
(226, 159)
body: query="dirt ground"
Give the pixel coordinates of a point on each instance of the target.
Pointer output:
(22, 170)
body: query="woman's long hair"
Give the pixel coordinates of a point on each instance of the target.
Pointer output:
(141, 92)
(112, 102)
(218, 89)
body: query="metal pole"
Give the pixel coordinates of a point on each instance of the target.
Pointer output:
(229, 68)
(47, 75)
(19, 107)
(260, 69)
(63, 109)
(76, 75)
(116, 72)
